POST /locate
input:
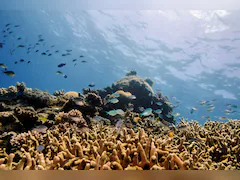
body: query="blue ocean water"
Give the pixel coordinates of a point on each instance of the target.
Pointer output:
(190, 55)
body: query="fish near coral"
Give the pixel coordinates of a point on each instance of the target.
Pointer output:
(115, 112)
(146, 112)
(121, 92)
(113, 101)
(132, 97)
(41, 129)
(40, 148)
(170, 134)
(120, 111)
(78, 101)
(112, 113)
(119, 125)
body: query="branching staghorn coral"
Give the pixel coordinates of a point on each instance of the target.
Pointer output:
(106, 148)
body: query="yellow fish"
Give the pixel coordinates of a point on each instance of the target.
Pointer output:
(176, 114)
(170, 134)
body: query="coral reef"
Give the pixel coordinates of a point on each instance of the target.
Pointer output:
(149, 81)
(59, 93)
(73, 117)
(107, 130)
(71, 94)
(131, 84)
(27, 116)
(29, 96)
(9, 122)
(106, 148)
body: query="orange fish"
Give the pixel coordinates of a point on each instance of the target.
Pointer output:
(170, 134)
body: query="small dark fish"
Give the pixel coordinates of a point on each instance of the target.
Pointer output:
(15, 62)
(40, 40)
(81, 56)
(3, 31)
(65, 76)
(56, 51)
(91, 85)
(16, 25)
(7, 24)
(28, 52)
(222, 118)
(1, 45)
(19, 38)
(8, 29)
(74, 60)
(193, 109)
(36, 51)
(52, 46)
(37, 44)
(234, 106)
(194, 139)
(5, 36)
(9, 73)
(21, 60)
(75, 64)
(28, 62)
(61, 65)
(49, 54)
(10, 32)
(21, 46)
(39, 35)
(43, 53)
(63, 54)
(183, 127)
(69, 50)
(11, 51)
(40, 148)
(83, 61)
(29, 48)
(47, 50)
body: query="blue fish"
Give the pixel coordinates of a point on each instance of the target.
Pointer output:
(116, 95)
(159, 103)
(146, 112)
(158, 111)
(113, 101)
(169, 116)
(40, 148)
(132, 97)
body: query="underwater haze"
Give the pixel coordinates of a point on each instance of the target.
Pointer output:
(191, 56)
